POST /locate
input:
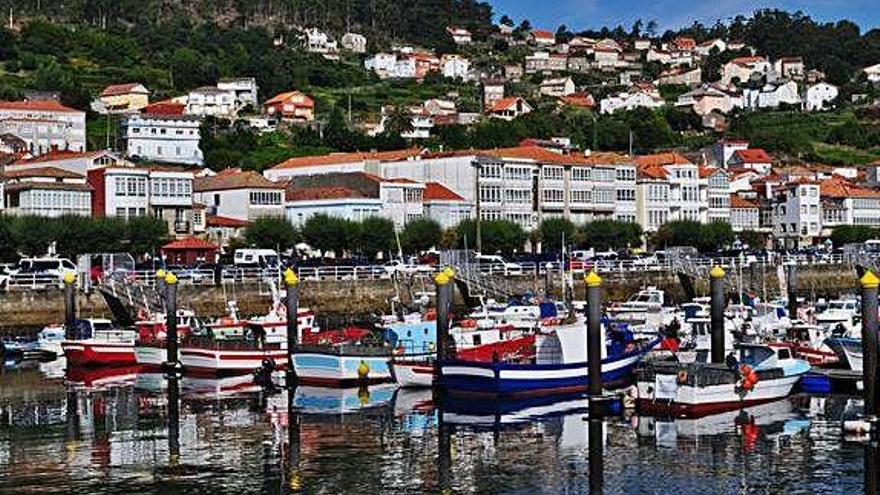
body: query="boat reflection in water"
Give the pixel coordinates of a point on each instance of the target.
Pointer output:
(121, 432)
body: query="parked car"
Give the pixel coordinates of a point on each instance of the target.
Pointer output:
(397, 266)
(45, 270)
(492, 263)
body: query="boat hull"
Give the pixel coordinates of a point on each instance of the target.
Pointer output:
(199, 361)
(688, 400)
(849, 352)
(339, 370)
(510, 380)
(88, 353)
(151, 356)
(413, 373)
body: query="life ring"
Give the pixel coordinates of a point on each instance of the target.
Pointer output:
(469, 323)
(749, 377)
(682, 376)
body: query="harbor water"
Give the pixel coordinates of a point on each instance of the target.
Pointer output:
(124, 431)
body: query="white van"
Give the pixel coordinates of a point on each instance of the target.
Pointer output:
(264, 258)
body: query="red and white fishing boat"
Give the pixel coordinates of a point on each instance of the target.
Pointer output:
(475, 340)
(99, 343)
(236, 347)
(808, 342)
(151, 347)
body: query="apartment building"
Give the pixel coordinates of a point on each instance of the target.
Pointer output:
(44, 125)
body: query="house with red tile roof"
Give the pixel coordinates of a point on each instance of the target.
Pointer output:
(446, 206)
(509, 108)
(543, 37)
(741, 69)
(45, 125)
(221, 230)
(846, 203)
(292, 105)
(243, 195)
(45, 192)
(124, 98)
(744, 214)
(753, 158)
(74, 161)
(189, 251)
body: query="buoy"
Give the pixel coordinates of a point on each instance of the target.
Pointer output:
(363, 370)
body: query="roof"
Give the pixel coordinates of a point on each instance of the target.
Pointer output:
(64, 186)
(282, 97)
(753, 155)
(652, 171)
(747, 60)
(189, 243)
(671, 158)
(435, 191)
(505, 103)
(37, 106)
(542, 155)
(219, 221)
(352, 157)
(708, 171)
(234, 180)
(52, 172)
(739, 202)
(166, 107)
(121, 89)
(838, 187)
(584, 100)
(60, 155)
(543, 34)
(321, 192)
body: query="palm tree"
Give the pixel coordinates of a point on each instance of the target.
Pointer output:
(399, 121)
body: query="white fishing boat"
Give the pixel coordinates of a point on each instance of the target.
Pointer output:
(841, 316)
(763, 373)
(848, 351)
(647, 306)
(97, 342)
(151, 347)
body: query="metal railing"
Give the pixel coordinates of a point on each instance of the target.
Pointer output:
(231, 274)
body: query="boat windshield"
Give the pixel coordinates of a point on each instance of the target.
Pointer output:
(644, 297)
(755, 355)
(102, 325)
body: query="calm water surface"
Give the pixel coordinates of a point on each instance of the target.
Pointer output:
(108, 432)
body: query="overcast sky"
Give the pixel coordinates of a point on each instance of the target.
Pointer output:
(583, 14)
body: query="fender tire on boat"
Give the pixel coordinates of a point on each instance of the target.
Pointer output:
(682, 376)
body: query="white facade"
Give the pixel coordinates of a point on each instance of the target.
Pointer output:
(629, 101)
(211, 101)
(772, 95)
(718, 196)
(687, 193)
(448, 213)
(383, 64)
(455, 67)
(48, 200)
(873, 73)
(355, 209)
(354, 42)
(557, 87)
(819, 96)
(796, 213)
(744, 216)
(164, 138)
(244, 90)
(44, 125)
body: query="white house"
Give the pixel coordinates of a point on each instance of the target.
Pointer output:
(460, 35)
(242, 195)
(741, 69)
(302, 203)
(629, 101)
(796, 213)
(873, 73)
(744, 214)
(353, 42)
(509, 108)
(317, 41)
(455, 67)
(45, 192)
(684, 76)
(383, 64)
(244, 90)
(710, 98)
(445, 206)
(820, 96)
(44, 125)
(705, 48)
(557, 87)
(163, 138)
(211, 101)
(754, 159)
(771, 95)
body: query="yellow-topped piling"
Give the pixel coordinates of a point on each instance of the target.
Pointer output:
(869, 280)
(716, 272)
(593, 279)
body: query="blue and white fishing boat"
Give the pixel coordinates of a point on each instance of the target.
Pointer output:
(559, 366)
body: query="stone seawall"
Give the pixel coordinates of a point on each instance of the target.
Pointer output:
(34, 309)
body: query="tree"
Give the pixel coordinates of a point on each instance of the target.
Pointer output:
(506, 21)
(271, 233)
(498, 236)
(399, 121)
(715, 236)
(552, 231)
(420, 235)
(603, 235)
(325, 233)
(677, 233)
(376, 236)
(7, 239)
(753, 239)
(847, 234)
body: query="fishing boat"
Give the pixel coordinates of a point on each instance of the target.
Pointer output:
(763, 373)
(238, 348)
(809, 342)
(842, 316)
(558, 365)
(848, 351)
(97, 342)
(150, 350)
(50, 338)
(475, 340)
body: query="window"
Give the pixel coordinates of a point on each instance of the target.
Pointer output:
(490, 194)
(520, 196)
(579, 196)
(552, 173)
(491, 171)
(553, 195)
(626, 195)
(580, 174)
